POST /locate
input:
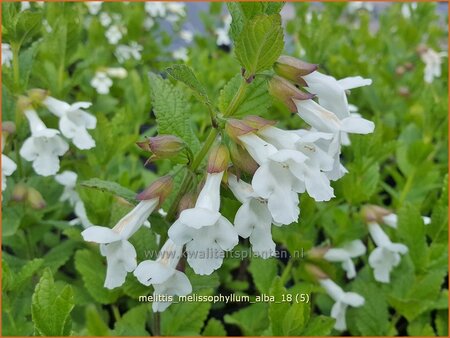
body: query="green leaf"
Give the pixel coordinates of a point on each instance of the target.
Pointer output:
(132, 323)
(111, 187)
(94, 323)
(256, 100)
(214, 327)
(11, 219)
(51, 309)
(27, 271)
(318, 326)
(263, 272)
(193, 317)
(412, 231)
(185, 74)
(172, 110)
(277, 309)
(295, 319)
(260, 43)
(252, 320)
(59, 255)
(93, 271)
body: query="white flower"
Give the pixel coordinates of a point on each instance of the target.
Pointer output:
(94, 7)
(187, 35)
(433, 61)
(105, 19)
(24, 5)
(7, 55)
(342, 301)
(43, 147)
(149, 23)
(69, 180)
(73, 121)
(155, 8)
(331, 92)
(101, 82)
(387, 254)
(120, 254)
(223, 39)
(164, 277)
(206, 233)
(177, 8)
(8, 167)
(392, 220)
(117, 72)
(124, 52)
(345, 254)
(180, 53)
(275, 180)
(114, 34)
(253, 219)
(407, 8)
(354, 6)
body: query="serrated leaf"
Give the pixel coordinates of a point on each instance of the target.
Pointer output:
(185, 74)
(132, 323)
(51, 309)
(260, 43)
(59, 255)
(256, 100)
(277, 309)
(294, 320)
(27, 271)
(318, 326)
(94, 323)
(172, 110)
(263, 272)
(111, 187)
(93, 271)
(252, 320)
(214, 328)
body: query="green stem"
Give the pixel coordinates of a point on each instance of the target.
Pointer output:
(116, 312)
(236, 101)
(287, 271)
(206, 146)
(156, 324)
(16, 70)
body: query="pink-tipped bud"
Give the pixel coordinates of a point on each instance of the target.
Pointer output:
(242, 160)
(160, 188)
(20, 192)
(285, 91)
(318, 252)
(235, 128)
(8, 127)
(35, 199)
(218, 160)
(315, 272)
(162, 146)
(186, 202)
(374, 214)
(293, 69)
(37, 95)
(258, 122)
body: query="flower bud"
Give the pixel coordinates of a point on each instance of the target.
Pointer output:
(315, 272)
(258, 122)
(409, 66)
(19, 192)
(400, 70)
(235, 128)
(404, 91)
(242, 160)
(8, 127)
(285, 91)
(35, 199)
(162, 146)
(160, 188)
(117, 72)
(37, 95)
(374, 214)
(293, 69)
(218, 160)
(23, 103)
(318, 252)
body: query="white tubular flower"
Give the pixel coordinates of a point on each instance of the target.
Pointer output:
(331, 92)
(164, 277)
(8, 168)
(120, 254)
(345, 254)
(117, 72)
(392, 220)
(433, 61)
(82, 218)
(155, 8)
(253, 219)
(206, 233)
(94, 7)
(223, 38)
(187, 35)
(180, 54)
(73, 121)
(342, 301)
(124, 52)
(386, 256)
(7, 55)
(114, 34)
(43, 147)
(105, 19)
(101, 82)
(275, 180)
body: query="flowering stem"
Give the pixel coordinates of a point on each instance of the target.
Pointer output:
(237, 99)
(286, 273)
(16, 70)
(156, 324)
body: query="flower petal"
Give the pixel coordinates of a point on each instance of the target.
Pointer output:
(98, 234)
(151, 272)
